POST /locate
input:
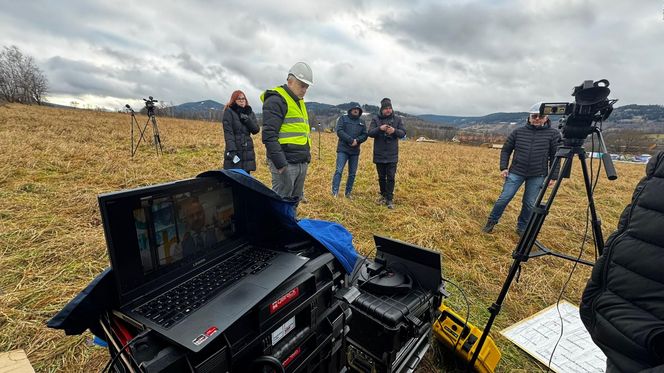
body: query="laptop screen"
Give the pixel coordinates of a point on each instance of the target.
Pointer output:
(158, 233)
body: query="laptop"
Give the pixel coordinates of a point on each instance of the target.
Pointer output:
(182, 263)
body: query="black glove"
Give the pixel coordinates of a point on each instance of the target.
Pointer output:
(244, 118)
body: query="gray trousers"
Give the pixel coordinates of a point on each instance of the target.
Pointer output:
(289, 183)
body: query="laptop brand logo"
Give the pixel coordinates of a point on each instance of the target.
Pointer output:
(284, 300)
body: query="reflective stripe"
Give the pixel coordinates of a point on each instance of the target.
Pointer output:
(283, 135)
(293, 120)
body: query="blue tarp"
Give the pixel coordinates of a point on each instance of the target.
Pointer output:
(274, 218)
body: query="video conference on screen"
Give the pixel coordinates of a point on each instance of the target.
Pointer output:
(183, 225)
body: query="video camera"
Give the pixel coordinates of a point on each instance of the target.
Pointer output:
(590, 106)
(149, 105)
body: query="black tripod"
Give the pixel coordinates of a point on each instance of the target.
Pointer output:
(523, 252)
(141, 131)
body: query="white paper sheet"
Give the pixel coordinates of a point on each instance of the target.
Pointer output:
(538, 334)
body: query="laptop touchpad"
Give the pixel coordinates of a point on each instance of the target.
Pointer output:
(243, 296)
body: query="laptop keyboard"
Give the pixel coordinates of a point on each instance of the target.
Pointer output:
(176, 304)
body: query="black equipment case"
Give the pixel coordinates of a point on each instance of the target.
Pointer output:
(390, 333)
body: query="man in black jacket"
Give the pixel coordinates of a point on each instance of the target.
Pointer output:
(534, 146)
(623, 304)
(386, 130)
(352, 132)
(286, 132)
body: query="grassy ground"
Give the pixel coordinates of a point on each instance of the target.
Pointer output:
(54, 162)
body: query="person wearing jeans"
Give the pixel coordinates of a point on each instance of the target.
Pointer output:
(534, 149)
(352, 132)
(512, 184)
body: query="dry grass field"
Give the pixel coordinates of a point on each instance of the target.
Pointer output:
(54, 163)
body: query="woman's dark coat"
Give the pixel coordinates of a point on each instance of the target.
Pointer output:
(239, 124)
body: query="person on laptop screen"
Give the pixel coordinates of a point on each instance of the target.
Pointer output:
(198, 235)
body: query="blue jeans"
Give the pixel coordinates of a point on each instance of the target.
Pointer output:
(512, 184)
(352, 160)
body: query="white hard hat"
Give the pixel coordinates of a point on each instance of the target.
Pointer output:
(302, 72)
(535, 109)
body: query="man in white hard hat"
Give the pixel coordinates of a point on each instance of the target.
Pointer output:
(286, 132)
(534, 146)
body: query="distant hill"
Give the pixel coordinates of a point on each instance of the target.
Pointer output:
(623, 116)
(458, 121)
(630, 113)
(198, 106)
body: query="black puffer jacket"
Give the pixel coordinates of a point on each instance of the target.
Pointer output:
(349, 129)
(534, 150)
(386, 147)
(239, 124)
(274, 112)
(623, 304)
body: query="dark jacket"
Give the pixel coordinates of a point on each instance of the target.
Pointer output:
(274, 112)
(534, 150)
(349, 129)
(238, 124)
(623, 303)
(386, 147)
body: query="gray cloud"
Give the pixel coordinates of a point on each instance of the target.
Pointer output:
(460, 57)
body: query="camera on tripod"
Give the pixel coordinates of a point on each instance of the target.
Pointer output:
(149, 105)
(590, 106)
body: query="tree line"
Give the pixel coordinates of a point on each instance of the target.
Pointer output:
(20, 79)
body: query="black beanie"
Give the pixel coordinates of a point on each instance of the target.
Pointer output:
(385, 103)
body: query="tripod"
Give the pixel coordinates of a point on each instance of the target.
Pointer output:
(523, 251)
(155, 131)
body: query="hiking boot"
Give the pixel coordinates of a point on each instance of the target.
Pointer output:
(381, 200)
(335, 194)
(390, 205)
(488, 228)
(349, 196)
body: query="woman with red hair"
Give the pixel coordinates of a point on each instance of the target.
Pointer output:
(239, 123)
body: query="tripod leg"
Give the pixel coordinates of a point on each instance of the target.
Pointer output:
(595, 222)
(526, 242)
(135, 123)
(157, 137)
(131, 125)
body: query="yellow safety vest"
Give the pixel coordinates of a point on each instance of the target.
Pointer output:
(295, 127)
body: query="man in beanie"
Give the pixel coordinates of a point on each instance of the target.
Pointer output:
(352, 132)
(386, 130)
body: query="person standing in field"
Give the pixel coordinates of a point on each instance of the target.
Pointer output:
(239, 123)
(386, 129)
(352, 132)
(533, 149)
(286, 132)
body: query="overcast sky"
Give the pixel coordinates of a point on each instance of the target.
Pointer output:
(442, 57)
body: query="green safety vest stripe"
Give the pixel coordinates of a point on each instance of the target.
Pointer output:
(295, 120)
(283, 135)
